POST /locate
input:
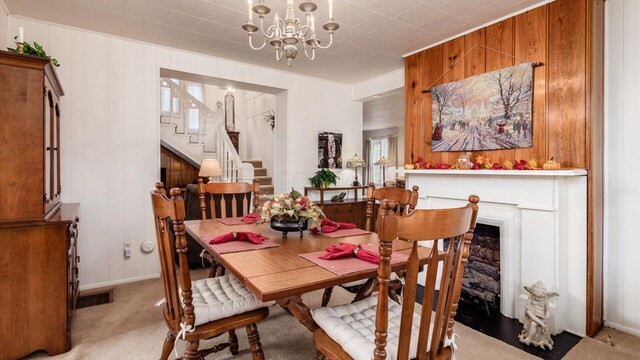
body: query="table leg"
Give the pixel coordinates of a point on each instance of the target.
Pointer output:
(299, 310)
(366, 289)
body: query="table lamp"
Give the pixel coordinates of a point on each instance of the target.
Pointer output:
(355, 163)
(384, 162)
(210, 168)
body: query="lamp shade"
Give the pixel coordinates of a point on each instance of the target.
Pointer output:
(384, 162)
(210, 168)
(355, 162)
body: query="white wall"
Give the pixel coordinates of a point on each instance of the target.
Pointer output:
(4, 26)
(622, 173)
(110, 134)
(391, 82)
(257, 139)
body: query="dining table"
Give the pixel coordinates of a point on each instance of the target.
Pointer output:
(279, 273)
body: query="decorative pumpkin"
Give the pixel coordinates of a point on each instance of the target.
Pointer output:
(409, 166)
(551, 165)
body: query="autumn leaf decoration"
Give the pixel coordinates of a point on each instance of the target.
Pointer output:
(481, 162)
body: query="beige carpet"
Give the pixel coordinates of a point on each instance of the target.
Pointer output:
(133, 328)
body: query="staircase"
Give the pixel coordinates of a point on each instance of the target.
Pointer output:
(208, 140)
(260, 174)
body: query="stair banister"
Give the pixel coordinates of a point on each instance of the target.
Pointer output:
(233, 169)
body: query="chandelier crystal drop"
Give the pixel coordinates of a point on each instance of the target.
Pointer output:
(285, 34)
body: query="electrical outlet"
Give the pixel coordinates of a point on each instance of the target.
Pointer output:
(127, 253)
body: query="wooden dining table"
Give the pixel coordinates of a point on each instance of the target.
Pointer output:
(279, 273)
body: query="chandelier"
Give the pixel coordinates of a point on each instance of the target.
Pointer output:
(285, 34)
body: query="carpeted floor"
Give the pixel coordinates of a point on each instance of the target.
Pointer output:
(133, 328)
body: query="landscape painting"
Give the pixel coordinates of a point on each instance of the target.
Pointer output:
(484, 112)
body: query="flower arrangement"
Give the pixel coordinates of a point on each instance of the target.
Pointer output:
(292, 207)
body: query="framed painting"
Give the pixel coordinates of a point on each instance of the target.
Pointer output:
(490, 111)
(329, 150)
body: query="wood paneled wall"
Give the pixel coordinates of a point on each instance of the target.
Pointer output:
(179, 173)
(555, 34)
(568, 37)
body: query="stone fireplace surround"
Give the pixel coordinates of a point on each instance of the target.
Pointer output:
(542, 216)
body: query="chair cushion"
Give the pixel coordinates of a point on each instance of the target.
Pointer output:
(353, 327)
(221, 297)
(393, 277)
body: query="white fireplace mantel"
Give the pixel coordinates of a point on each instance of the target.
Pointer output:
(488, 172)
(542, 216)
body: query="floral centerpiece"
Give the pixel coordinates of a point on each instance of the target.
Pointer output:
(291, 212)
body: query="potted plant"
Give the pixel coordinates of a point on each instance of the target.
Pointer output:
(291, 212)
(36, 50)
(323, 178)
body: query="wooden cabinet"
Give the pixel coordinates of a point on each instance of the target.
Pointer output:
(38, 234)
(30, 136)
(351, 210)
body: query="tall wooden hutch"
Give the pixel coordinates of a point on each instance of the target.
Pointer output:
(38, 233)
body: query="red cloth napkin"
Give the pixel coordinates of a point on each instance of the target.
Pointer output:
(328, 226)
(238, 236)
(345, 250)
(251, 218)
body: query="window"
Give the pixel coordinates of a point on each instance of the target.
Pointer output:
(379, 148)
(193, 115)
(166, 98)
(170, 103)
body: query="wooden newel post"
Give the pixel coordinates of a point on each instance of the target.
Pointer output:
(386, 232)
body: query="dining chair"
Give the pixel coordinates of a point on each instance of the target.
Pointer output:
(201, 309)
(379, 329)
(405, 202)
(226, 200)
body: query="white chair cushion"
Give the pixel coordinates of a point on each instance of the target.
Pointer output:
(353, 327)
(221, 297)
(394, 276)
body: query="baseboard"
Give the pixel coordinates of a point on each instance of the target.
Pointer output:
(628, 330)
(117, 282)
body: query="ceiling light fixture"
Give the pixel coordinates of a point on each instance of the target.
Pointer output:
(285, 34)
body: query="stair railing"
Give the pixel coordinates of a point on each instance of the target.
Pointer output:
(233, 169)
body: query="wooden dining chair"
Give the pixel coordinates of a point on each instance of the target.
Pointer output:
(405, 202)
(226, 200)
(375, 327)
(201, 309)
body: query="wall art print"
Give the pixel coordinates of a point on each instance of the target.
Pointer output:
(484, 112)
(329, 150)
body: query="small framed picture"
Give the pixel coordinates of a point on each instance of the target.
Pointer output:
(329, 150)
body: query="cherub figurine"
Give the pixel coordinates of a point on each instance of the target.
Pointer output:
(536, 314)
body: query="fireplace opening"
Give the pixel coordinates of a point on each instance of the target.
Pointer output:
(480, 296)
(481, 280)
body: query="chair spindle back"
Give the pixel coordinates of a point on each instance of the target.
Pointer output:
(405, 201)
(455, 225)
(164, 210)
(244, 190)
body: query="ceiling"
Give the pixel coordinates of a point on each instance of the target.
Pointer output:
(373, 34)
(383, 112)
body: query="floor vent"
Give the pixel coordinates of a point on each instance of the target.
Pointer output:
(95, 298)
